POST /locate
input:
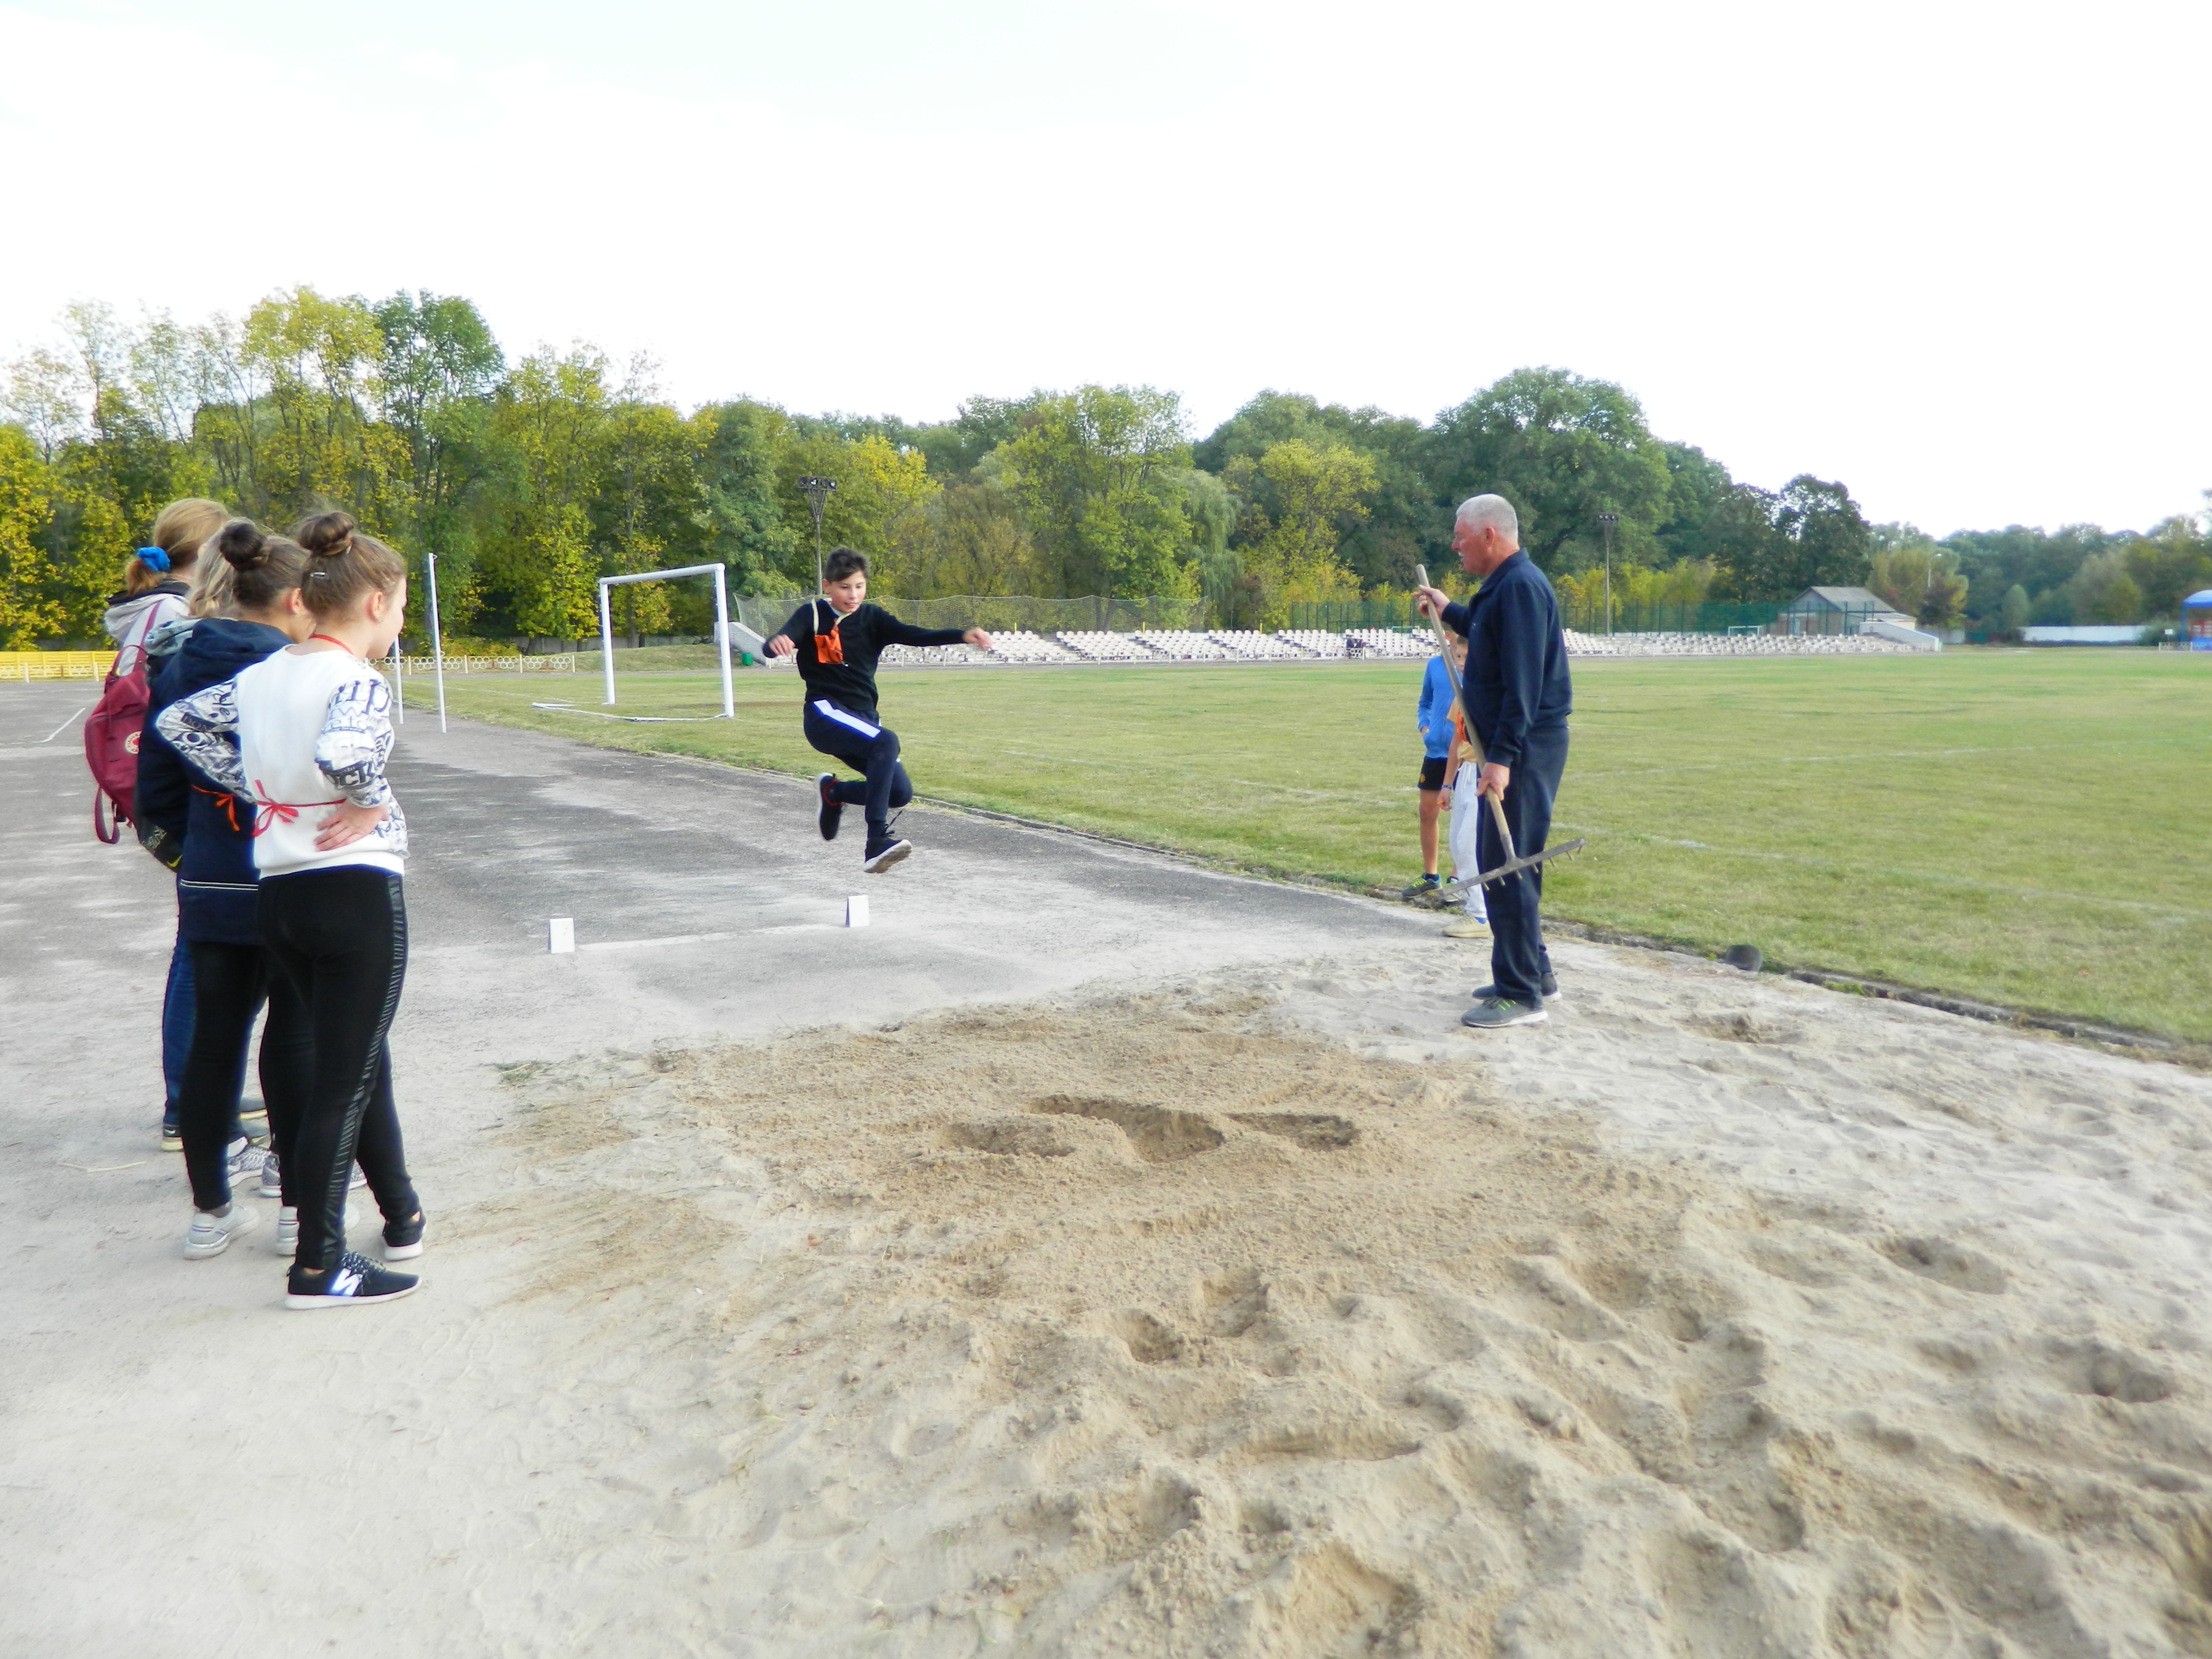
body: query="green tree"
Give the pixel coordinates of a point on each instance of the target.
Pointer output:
(2173, 560)
(323, 446)
(1097, 471)
(1562, 449)
(880, 506)
(979, 543)
(649, 513)
(1404, 524)
(551, 418)
(747, 530)
(1696, 488)
(1289, 553)
(1771, 548)
(2040, 562)
(1916, 575)
(30, 608)
(2012, 615)
(440, 372)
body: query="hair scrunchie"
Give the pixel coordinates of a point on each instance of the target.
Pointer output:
(153, 558)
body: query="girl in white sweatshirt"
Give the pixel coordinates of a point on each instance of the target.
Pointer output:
(302, 736)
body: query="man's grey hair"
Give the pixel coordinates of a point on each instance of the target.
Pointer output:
(1491, 512)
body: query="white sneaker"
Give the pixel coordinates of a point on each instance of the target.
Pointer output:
(210, 1235)
(272, 1177)
(286, 1242)
(243, 1160)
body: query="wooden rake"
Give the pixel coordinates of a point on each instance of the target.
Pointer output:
(1514, 864)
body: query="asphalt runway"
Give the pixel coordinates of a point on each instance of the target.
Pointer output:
(706, 906)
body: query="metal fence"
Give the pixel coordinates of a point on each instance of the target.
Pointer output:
(1334, 616)
(1708, 617)
(1003, 611)
(27, 666)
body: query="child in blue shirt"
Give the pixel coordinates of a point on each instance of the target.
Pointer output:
(1433, 717)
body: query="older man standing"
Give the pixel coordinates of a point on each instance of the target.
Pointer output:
(1518, 697)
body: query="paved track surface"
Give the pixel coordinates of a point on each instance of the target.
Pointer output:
(137, 1388)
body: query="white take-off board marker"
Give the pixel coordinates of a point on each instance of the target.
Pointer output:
(561, 935)
(856, 911)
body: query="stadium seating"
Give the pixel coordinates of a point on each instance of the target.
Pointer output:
(1182, 646)
(1246, 642)
(1731, 644)
(1106, 648)
(1020, 645)
(1389, 642)
(1320, 642)
(938, 656)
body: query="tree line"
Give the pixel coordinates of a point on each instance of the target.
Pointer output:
(530, 477)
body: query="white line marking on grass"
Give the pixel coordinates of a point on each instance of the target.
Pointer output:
(1936, 877)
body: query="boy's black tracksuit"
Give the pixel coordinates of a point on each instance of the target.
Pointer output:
(841, 701)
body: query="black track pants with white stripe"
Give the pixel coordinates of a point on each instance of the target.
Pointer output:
(869, 750)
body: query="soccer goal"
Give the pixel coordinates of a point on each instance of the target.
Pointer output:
(721, 623)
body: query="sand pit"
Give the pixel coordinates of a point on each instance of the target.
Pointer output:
(1718, 1317)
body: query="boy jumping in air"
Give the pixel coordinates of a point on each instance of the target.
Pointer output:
(838, 639)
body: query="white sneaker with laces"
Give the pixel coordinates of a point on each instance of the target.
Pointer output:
(210, 1235)
(286, 1242)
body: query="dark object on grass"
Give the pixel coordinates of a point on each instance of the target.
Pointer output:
(1746, 957)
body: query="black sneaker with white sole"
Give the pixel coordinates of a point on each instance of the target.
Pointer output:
(1495, 1013)
(403, 1240)
(882, 852)
(355, 1282)
(833, 810)
(1549, 985)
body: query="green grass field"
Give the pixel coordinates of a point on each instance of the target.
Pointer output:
(2029, 828)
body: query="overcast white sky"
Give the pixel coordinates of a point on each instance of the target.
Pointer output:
(1951, 253)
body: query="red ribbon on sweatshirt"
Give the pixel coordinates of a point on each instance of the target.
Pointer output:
(281, 811)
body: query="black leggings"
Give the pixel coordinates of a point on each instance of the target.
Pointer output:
(340, 936)
(238, 980)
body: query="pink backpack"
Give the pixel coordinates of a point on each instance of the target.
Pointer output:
(112, 733)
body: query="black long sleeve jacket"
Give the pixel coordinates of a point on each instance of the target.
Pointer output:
(864, 633)
(1516, 658)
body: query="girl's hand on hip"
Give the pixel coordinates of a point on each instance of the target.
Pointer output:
(348, 825)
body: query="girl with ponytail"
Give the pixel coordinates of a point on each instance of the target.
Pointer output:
(300, 739)
(144, 618)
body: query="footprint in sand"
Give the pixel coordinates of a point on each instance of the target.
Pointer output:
(1157, 1135)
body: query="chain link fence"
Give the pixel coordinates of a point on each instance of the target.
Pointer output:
(1002, 612)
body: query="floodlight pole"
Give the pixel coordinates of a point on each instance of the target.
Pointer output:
(1608, 519)
(722, 624)
(817, 497)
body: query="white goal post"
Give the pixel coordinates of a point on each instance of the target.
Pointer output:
(722, 624)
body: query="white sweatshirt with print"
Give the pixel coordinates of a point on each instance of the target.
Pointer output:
(296, 735)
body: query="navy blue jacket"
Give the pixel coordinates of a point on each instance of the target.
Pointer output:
(178, 809)
(1516, 658)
